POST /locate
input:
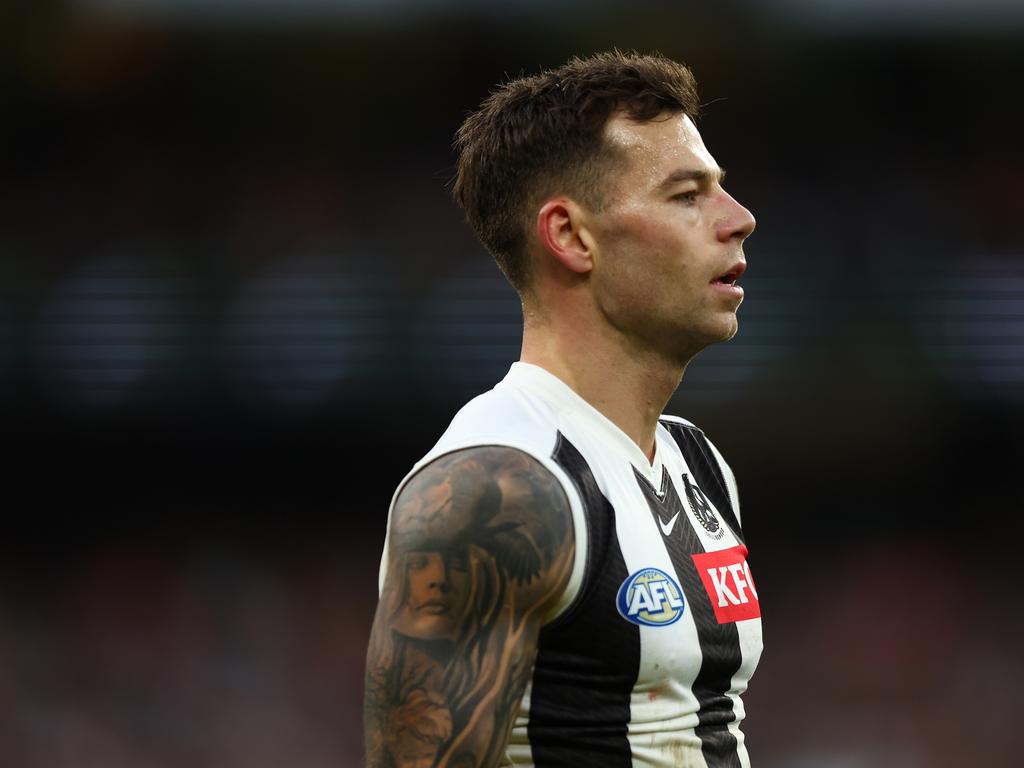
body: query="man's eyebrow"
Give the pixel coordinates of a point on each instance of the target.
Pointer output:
(701, 175)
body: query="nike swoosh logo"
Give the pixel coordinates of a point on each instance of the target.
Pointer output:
(666, 528)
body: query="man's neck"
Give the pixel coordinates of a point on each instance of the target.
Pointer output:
(631, 389)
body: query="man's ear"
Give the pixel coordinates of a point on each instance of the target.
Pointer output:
(562, 233)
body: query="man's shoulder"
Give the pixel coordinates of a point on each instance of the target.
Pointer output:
(677, 424)
(501, 416)
(504, 439)
(669, 420)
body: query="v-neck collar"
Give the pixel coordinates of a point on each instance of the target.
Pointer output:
(569, 402)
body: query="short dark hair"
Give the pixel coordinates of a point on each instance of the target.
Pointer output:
(543, 135)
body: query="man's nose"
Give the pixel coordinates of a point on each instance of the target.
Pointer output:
(736, 223)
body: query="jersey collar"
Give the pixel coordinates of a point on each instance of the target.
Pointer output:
(571, 404)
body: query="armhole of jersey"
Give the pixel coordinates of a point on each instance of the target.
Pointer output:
(579, 520)
(580, 540)
(730, 480)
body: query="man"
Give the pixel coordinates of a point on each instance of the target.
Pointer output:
(564, 581)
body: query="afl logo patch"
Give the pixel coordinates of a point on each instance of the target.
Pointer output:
(650, 598)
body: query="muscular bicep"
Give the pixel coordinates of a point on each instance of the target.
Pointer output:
(480, 548)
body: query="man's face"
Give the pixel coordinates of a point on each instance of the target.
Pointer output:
(435, 596)
(664, 239)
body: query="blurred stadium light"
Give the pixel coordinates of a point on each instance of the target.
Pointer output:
(468, 333)
(115, 330)
(970, 321)
(307, 330)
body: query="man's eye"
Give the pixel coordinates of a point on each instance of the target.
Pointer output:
(687, 197)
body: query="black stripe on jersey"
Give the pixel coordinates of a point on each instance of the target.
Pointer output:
(719, 643)
(706, 472)
(588, 659)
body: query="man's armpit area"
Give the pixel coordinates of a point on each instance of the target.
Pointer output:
(480, 548)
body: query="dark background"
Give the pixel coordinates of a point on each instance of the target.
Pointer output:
(237, 303)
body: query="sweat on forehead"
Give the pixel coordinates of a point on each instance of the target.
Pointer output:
(666, 131)
(662, 152)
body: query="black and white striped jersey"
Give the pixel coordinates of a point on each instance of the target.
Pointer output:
(645, 658)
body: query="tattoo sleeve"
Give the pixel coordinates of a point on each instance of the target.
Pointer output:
(480, 548)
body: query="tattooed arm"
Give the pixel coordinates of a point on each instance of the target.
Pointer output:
(480, 549)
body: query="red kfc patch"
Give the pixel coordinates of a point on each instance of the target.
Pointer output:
(730, 587)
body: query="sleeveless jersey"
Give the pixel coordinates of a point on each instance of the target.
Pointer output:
(643, 661)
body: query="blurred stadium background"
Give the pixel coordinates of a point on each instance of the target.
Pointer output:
(236, 304)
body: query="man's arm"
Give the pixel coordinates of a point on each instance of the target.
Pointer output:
(480, 549)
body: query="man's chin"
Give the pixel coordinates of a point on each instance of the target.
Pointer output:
(696, 343)
(724, 329)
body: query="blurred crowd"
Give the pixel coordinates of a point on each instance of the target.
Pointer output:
(882, 654)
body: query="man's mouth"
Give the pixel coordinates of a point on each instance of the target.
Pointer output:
(730, 277)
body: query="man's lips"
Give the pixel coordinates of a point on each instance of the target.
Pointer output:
(732, 274)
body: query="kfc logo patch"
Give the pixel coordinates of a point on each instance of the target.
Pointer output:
(730, 587)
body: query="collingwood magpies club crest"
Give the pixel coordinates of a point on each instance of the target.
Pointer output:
(701, 508)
